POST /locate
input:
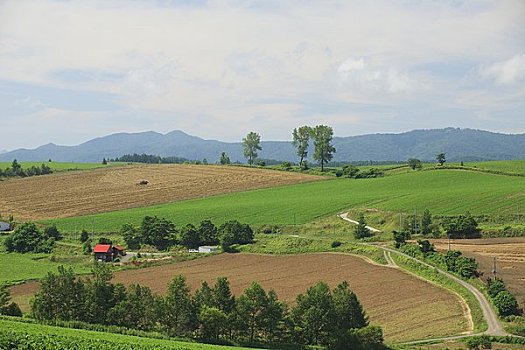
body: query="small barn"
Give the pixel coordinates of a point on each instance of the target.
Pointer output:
(108, 253)
(5, 226)
(103, 252)
(208, 249)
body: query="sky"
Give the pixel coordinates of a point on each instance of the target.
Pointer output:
(74, 70)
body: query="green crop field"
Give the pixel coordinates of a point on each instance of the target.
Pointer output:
(445, 192)
(16, 267)
(22, 335)
(63, 166)
(511, 166)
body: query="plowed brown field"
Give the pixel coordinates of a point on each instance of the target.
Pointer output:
(406, 307)
(100, 190)
(509, 254)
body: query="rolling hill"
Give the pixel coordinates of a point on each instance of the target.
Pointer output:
(458, 144)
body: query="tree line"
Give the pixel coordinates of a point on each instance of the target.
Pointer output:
(149, 159)
(16, 170)
(163, 234)
(333, 318)
(27, 237)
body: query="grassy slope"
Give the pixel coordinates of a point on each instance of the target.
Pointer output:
(443, 192)
(86, 337)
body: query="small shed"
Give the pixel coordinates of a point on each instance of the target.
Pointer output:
(103, 252)
(118, 250)
(208, 249)
(5, 226)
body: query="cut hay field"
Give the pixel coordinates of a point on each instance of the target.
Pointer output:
(406, 307)
(444, 192)
(510, 259)
(102, 190)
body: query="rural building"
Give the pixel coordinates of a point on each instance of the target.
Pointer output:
(107, 253)
(5, 226)
(208, 249)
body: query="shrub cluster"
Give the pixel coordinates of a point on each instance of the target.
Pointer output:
(333, 318)
(452, 260)
(504, 300)
(16, 170)
(162, 234)
(27, 237)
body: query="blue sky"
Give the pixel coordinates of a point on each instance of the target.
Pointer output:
(74, 70)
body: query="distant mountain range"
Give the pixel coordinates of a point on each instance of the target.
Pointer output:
(457, 144)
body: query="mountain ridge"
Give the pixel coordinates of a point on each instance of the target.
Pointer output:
(458, 144)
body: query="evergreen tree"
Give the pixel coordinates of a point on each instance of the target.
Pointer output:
(178, 308)
(361, 231)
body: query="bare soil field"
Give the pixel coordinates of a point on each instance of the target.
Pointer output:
(101, 190)
(406, 307)
(510, 259)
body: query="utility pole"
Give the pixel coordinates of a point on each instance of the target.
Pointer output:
(448, 242)
(494, 266)
(518, 209)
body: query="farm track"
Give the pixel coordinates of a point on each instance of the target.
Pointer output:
(101, 190)
(494, 327)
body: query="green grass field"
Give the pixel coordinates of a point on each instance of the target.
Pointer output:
(22, 335)
(511, 166)
(63, 166)
(16, 267)
(444, 192)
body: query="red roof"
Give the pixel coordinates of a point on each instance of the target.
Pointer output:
(102, 248)
(119, 247)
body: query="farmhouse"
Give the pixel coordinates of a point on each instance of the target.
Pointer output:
(107, 253)
(208, 249)
(5, 226)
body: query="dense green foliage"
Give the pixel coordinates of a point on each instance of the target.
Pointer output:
(461, 226)
(478, 193)
(6, 306)
(323, 147)
(211, 313)
(162, 234)
(251, 144)
(149, 159)
(16, 170)
(452, 261)
(505, 301)
(27, 237)
(361, 231)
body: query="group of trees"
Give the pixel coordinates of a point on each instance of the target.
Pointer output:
(460, 226)
(212, 314)
(416, 164)
(452, 260)
(321, 135)
(27, 237)
(162, 234)
(16, 170)
(149, 159)
(504, 300)
(353, 172)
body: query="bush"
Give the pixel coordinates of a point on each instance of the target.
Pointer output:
(28, 238)
(336, 244)
(506, 303)
(478, 342)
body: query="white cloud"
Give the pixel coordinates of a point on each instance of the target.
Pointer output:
(505, 72)
(223, 60)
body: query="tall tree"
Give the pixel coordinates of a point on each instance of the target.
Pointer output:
(324, 150)
(314, 315)
(440, 158)
(361, 231)
(178, 306)
(251, 144)
(414, 163)
(224, 159)
(300, 139)
(349, 311)
(426, 222)
(252, 307)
